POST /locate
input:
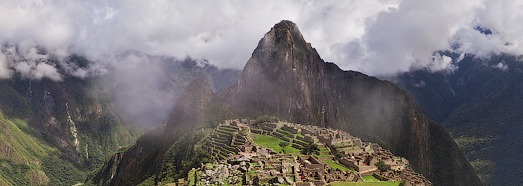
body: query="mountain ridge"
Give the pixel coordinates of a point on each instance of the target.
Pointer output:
(479, 104)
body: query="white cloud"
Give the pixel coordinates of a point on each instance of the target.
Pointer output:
(224, 32)
(407, 37)
(501, 66)
(5, 72)
(441, 62)
(364, 35)
(29, 63)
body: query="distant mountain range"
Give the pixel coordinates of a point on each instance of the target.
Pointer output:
(55, 133)
(480, 103)
(286, 77)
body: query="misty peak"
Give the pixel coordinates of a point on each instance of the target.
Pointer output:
(188, 110)
(284, 27)
(284, 34)
(282, 52)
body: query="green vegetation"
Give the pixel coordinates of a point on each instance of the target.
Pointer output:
(62, 172)
(216, 113)
(336, 165)
(102, 137)
(35, 141)
(382, 166)
(370, 178)
(185, 154)
(324, 149)
(385, 183)
(273, 143)
(26, 160)
(283, 144)
(311, 148)
(267, 119)
(468, 143)
(487, 168)
(324, 156)
(20, 154)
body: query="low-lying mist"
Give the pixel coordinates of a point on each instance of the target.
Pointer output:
(141, 88)
(144, 88)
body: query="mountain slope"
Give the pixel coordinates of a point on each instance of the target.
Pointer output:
(146, 157)
(480, 104)
(75, 129)
(286, 77)
(20, 149)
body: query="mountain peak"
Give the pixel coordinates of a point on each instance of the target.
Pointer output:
(188, 110)
(284, 34)
(285, 25)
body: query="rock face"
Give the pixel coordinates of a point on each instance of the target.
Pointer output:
(287, 78)
(145, 158)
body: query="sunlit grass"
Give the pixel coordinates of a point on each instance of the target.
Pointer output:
(273, 143)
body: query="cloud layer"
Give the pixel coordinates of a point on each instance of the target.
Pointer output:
(378, 37)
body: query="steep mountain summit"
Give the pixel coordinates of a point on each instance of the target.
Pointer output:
(286, 77)
(284, 34)
(282, 59)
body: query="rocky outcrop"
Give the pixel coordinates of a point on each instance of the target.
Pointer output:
(286, 77)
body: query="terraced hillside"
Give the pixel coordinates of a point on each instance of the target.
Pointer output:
(247, 152)
(224, 140)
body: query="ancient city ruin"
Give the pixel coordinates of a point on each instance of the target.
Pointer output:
(242, 155)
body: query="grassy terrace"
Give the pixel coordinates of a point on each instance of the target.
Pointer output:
(335, 165)
(324, 149)
(370, 178)
(384, 183)
(368, 181)
(273, 143)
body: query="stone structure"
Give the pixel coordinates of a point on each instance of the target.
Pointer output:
(249, 164)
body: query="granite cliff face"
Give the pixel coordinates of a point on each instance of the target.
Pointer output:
(287, 78)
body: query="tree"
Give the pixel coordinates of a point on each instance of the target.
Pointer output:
(267, 119)
(311, 148)
(381, 166)
(283, 144)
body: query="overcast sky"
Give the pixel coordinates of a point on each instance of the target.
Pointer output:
(377, 37)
